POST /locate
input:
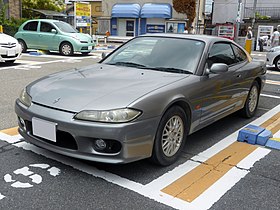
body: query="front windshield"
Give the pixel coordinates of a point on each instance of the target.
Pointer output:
(65, 27)
(159, 53)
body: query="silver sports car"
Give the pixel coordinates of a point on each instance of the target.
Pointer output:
(142, 100)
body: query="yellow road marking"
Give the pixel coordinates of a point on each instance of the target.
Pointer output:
(192, 184)
(272, 124)
(11, 131)
(275, 139)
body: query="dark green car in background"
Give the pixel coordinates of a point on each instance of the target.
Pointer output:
(53, 35)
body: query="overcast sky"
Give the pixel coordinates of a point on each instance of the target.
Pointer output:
(208, 6)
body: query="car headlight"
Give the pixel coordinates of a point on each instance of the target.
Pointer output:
(25, 98)
(110, 116)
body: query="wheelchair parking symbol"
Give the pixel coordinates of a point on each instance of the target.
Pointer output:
(34, 179)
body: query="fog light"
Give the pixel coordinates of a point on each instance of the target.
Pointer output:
(100, 144)
(22, 123)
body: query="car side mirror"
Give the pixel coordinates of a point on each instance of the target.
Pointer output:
(103, 55)
(53, 31)
(218, 68)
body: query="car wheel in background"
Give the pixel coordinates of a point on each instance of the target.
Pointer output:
(23, 45)
(66, 49)
(170, 137)
(85, 53)
(277, 63)
(252, 101)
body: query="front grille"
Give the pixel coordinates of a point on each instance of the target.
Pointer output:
(5, 56)
(10, 45)
(63, 139)
(84, 48)
(84, 42)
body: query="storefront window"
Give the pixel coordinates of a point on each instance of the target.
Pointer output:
(175, 27)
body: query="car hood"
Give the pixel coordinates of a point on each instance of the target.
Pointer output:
(4, 38)
(80, 36)
(98, 87)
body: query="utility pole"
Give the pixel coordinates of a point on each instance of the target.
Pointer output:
(254, 13)
(238, 19)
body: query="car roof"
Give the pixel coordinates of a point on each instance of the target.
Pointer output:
(201, 37)
(47, 20)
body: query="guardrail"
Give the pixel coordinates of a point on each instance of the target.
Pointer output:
(262, 12)
(105, 39)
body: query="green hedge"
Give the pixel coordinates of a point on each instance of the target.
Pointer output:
(10, 27)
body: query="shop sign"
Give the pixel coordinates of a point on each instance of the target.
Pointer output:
(83, 14)
(152, 28)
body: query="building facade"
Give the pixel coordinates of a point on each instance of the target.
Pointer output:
(13, 8)
(266, 12)
(135, 17)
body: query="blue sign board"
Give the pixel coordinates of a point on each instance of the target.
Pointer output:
(152, 28)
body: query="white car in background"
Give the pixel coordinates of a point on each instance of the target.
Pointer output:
(273, 57)
(10, 49)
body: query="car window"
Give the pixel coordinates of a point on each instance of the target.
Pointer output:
(221, 53)
(239, 54)
(65, 27)
(155, 52)
(31, 26)
(46, 27)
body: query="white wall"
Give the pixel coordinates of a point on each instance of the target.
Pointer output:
(226, 10)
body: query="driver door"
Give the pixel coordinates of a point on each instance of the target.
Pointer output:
(222, 95)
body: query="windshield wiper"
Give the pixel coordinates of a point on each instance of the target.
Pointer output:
(172, 70)
(129, 64)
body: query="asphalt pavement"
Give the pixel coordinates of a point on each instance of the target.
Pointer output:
(208, 173)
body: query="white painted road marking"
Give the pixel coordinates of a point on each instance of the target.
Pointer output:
(35, 178)
(152, 190)
(2, 196)
(270, 96)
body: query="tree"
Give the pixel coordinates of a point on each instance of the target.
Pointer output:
(55, 5)
(186, 7)
(3, 12)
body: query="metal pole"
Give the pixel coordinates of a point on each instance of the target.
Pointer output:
(238, 19)
(254, 13)
(197, 17)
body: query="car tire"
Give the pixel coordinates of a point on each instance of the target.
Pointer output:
(66, 49)
(277, 63)
(252, 101)
(23, 45)
(10, 61)
(170, 137)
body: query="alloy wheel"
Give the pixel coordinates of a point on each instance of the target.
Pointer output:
(253, 99)
(172, 136)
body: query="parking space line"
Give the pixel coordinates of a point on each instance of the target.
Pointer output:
(207, 198)
(10, 131)
(273, 72)
(194, 183)
(272, 82)
(269, 96)
(272, 123)
(191, 185)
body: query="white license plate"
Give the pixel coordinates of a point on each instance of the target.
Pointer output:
(44, 129)
(11, 53)
(90, 48)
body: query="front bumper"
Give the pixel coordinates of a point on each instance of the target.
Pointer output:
(270, 56)
(84, 47)
(9, 54)
(136, 138)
